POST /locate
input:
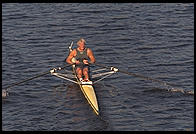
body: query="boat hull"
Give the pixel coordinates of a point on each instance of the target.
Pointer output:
(89, 93)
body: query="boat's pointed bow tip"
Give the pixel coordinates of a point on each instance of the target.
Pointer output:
(97, 112)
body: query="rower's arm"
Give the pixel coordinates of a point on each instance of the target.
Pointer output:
(90, 55)
(71, 55)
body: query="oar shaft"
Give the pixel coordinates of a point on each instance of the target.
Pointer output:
(144, 77)
(136, 75)
(101, 65)
(17, 83)
(37, 76)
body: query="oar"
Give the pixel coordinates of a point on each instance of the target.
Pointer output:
(23, 81)
(133, 74)
(37, 76)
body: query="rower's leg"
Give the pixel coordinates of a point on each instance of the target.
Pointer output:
(79, 72)
(85, 72)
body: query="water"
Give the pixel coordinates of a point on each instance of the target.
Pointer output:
(152, 39)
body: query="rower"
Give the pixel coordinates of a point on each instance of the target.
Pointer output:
(80, 57)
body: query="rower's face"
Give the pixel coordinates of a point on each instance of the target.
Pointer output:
(81, 45)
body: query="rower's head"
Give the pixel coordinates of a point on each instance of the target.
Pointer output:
(81, 44)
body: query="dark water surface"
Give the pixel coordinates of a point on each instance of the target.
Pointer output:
(154, 40)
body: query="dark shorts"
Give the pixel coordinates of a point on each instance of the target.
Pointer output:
(82, 66)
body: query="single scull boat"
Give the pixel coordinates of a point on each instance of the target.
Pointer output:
(86, 87)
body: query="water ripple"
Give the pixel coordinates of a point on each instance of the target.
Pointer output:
(151, 39)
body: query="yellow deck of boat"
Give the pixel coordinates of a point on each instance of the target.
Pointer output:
(89, 93)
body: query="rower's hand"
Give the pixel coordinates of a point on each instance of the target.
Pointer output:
(85, 62)
(77, 62)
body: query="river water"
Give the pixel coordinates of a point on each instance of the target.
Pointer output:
(151, 39)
